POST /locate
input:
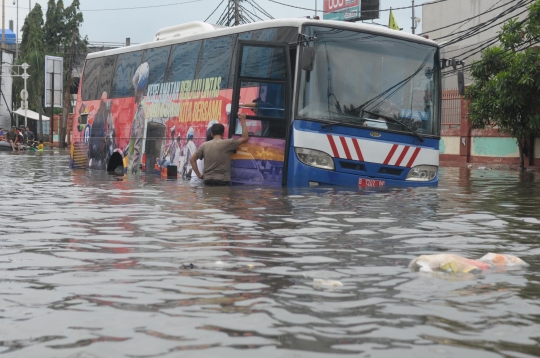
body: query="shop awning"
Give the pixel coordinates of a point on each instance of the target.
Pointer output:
(30, 114)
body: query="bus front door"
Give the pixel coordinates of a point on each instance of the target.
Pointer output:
(262, 90)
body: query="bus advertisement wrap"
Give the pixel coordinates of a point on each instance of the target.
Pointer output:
(168, 125)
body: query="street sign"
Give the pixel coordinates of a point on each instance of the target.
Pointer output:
(54, 70)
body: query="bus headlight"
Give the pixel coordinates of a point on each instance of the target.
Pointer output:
(422, 173)
(315, 158)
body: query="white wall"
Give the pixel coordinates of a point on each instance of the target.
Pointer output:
(7, 82)
(449, 12)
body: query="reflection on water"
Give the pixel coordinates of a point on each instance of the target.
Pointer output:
(94, 265)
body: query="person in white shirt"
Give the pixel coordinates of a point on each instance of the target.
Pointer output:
(195, 180)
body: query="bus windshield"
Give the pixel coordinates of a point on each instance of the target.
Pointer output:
(371, 80)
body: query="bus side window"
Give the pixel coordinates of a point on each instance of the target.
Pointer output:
(267, 35)
(106, 76)
(126, 65)
(90, 79)
(216, 58)
(183, 61)
(157, 59)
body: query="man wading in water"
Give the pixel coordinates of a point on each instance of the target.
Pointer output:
(217, 155)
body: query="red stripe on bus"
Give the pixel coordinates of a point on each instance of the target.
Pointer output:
(345, 147)
(403, 154)
(389, 156)
(413, 158)
(358, 151)
(333, 145)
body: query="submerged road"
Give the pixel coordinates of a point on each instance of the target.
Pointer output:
(95, 265)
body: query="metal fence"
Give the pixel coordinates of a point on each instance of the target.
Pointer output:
(451, 109)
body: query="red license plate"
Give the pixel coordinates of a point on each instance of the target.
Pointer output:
(370, 182)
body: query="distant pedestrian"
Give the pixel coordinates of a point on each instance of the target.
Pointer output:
(30, 137)
(217, 155)
(12, 138)
(18, 140)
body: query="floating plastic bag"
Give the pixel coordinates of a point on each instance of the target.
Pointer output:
(456, 264)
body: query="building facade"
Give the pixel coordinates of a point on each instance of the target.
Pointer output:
(467, 27)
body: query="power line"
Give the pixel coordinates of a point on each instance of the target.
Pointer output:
(475, 44)
(143, 7)
(258, 7)
(465, 20)
(465, 32)
(491, 7)
(214, 10)
(484, 26)
(504, 53)
(363, 11)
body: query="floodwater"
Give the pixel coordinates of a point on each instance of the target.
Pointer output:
(94, 265)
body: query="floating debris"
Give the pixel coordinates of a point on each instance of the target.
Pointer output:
(451, 263)
(318, 282)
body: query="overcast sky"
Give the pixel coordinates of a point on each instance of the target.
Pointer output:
(140, 22)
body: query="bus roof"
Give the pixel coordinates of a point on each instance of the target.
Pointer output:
(209, 31)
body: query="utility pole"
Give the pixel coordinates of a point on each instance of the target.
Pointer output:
(315, 8)
(236, 13)
(3, 24)
(3, 44)
(67, 94)
(17, 39)
(413, 24)
(52, 107)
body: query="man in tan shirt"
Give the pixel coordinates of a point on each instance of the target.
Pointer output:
(217, 155)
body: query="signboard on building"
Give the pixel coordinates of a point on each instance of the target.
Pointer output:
(351, 10)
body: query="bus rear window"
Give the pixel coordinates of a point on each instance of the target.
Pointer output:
(216, 58)
(126, 65)
(90, 79)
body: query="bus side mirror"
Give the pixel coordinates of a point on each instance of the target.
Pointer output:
(461, 83)
(308, 58)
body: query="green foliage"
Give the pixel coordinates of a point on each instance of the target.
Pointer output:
(53, 37)
(32, 37)
(506, 83)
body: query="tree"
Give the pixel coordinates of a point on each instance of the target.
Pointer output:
(58, 36)
(32, 51)
(53, 30)
(506, 83)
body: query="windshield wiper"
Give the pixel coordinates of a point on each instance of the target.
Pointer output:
(398, 122)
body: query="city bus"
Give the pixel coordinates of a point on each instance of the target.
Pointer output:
(327, 103)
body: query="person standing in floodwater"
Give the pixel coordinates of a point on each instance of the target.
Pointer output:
(217, 155)
(140, 84)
